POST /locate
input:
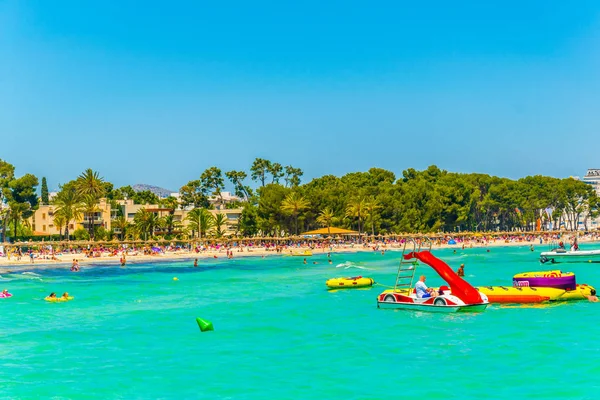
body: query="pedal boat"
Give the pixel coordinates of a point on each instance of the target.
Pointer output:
(444, 303)
(459, 297)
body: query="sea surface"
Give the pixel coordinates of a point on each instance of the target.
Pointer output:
(131, 333)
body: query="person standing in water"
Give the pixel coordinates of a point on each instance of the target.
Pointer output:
(461, 270)
(196, 262)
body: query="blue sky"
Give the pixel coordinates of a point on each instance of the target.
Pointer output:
(156, 93)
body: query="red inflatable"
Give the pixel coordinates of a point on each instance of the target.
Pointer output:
(458, 286)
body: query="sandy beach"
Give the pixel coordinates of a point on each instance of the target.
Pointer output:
(23, 263)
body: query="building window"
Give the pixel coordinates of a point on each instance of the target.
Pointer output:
(70, 226)
(44, 228)
(43, 215)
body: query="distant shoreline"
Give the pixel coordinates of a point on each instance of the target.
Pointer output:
(65, 260)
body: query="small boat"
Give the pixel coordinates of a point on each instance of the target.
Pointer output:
(561, 255)
(460, 296)
(525, 294)
(349, 283)
(553, 279)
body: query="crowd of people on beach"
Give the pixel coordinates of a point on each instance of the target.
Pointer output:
(49, 252)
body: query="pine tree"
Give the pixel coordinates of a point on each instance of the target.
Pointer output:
(45, 199)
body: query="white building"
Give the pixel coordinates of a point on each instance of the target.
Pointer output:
(592, 177)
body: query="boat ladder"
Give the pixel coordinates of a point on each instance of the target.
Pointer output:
(408, 268)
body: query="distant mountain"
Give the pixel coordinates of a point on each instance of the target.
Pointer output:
(160, 192)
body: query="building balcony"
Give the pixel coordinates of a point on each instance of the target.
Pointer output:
(94, 220)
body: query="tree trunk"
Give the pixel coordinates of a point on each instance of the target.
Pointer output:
(90, 226)
(4, 224)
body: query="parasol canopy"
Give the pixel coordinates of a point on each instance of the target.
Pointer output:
(331, 231)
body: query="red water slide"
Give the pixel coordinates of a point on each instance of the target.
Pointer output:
(458, 286)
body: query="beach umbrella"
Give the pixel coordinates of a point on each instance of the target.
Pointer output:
(451, 241)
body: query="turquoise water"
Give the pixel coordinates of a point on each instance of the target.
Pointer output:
(131, 333)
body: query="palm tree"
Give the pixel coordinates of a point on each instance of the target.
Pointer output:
(168, 222)
(90, 186)
(219, 221)
(153, 223)
(16, 214)
(59, 221)
(121, 224)
(69, 207)
(145, 222)
(200, 221)
(293, 204)
(325, 218)
(371, 207)
(90, 183)
(90, 208)
(356, 209)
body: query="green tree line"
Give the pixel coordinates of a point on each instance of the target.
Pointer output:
(375, 202)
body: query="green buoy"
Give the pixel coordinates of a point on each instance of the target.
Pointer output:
(205, 325)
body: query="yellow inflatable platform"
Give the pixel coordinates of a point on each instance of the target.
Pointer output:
(349, 283)
(508, 294)
(58, 299)
(305, 253)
